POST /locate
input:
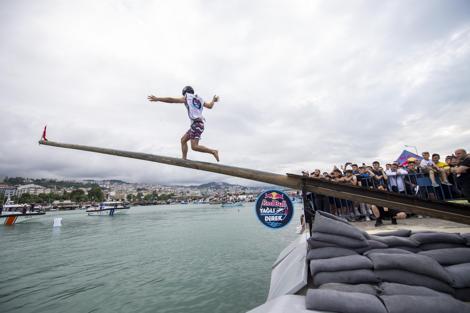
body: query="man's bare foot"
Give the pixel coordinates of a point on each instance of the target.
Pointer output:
(184, 158)
(216, 155)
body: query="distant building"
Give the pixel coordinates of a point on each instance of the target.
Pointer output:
(7, 190)
(32, 189)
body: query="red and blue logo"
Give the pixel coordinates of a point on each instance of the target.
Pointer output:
(274, 208)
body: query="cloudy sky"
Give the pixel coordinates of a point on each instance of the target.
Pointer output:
(303, 84)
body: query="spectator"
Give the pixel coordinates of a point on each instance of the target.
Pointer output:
(395, 178)
(316, 174)
(462, 171)
(388, 166)
(355, 169)
(428, 167)
(379, 177)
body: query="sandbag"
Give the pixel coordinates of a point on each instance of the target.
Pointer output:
(331, 226)
(338, 240)
(463, 294)
(398, 233)
(392, 289)
(424, 304)
(449, 256)
(349, 277)
(419, 264)
(413, 279)
(388, 251)
(342, 302)
(393, 241)
(440, 245)
(329, 252)
(407, 248)
(466, 236)
(312, 244)
(436, 237)
(460, 274)
(340, 219)
(343, 263)
(362, 288)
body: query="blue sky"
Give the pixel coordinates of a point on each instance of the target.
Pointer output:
(303, 84)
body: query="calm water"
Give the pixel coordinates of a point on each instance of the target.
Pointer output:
(180, 258)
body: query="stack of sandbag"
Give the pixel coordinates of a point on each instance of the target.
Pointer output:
(332, 231)
(387, 297)
(390, 267)
(333, 254)
(457, 263)
(451, 251)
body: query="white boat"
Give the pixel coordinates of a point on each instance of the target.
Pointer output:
(109, 208)
(231, 204)
(17, 213)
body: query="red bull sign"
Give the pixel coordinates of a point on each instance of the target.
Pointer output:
(274, 208)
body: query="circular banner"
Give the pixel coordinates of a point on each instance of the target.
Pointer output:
(274, 208)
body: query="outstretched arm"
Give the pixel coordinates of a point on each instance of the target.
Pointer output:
(166, 99)
(209, 105)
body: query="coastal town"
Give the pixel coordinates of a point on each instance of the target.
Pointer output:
(70, 195)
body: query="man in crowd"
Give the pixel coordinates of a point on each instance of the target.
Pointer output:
(428, 167)
(462, 171)
(396, 181)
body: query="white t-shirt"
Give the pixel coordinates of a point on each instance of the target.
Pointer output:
(426, 163)
(195, 105)
(396, 178)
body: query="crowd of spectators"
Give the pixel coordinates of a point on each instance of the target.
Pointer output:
(427, 177)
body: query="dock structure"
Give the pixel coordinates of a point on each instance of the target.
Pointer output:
(439, 209)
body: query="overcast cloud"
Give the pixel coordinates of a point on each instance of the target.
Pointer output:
(303, 84)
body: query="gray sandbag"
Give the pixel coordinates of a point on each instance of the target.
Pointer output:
(398, 233)
(466, 236)
(411, 249)
(393, 289)
(342, 241)
(362, 288)
(340, 219)
(460, 274)
(342, 302)
(329, 252)
(388, 251)
(449, 256)
(416, 263)
(435, 237)
(342, 263)
(413, 279)
(371, 244)
(348, 277)
(331, 226)
(393, 241)
(440, 245)
(313, 244)
(463, 294)
(423, 304)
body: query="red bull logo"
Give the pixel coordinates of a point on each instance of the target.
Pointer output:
(274, 196)
(274, 208)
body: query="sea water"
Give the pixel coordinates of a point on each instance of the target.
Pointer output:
(173, 258)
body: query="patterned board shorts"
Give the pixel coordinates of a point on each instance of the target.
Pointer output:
(195, 132)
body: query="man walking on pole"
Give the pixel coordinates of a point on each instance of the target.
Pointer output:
(194, 104)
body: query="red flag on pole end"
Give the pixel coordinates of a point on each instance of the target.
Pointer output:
(44, 134)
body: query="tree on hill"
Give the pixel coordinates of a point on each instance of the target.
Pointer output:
(96, 194)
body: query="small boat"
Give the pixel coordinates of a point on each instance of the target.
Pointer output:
(231, 204)
(17, 213)
(109, 208)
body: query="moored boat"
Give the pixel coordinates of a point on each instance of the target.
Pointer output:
(109, 208)
(16, 213)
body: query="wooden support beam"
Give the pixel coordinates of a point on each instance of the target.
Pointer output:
(439, 209)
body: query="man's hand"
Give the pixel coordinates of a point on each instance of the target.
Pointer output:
(215, 98)
(152, 98)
